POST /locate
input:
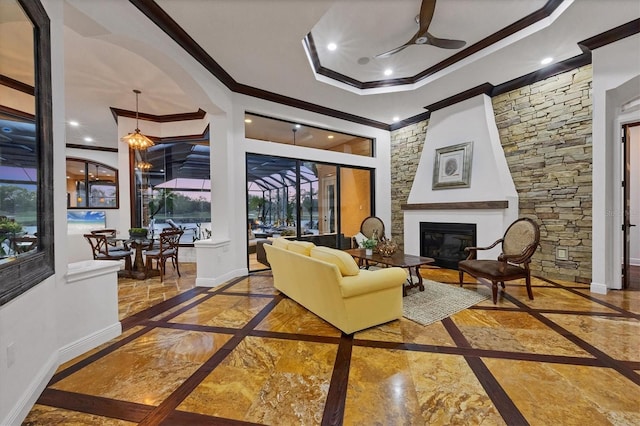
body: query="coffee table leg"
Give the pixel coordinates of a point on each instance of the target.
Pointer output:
(420, 284)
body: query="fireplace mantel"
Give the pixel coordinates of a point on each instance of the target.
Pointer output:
(468, 205)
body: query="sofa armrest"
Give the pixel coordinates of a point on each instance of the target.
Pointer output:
(371, 281)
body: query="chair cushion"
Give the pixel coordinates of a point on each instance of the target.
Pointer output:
(156, 252)
(344, 261)
(301, 247)
(490, 268)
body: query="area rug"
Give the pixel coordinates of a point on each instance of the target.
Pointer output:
(439, 301)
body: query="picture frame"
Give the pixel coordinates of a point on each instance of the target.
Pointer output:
(452, 166)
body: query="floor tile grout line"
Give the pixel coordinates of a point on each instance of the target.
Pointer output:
(606, 360)
(94, 405)
(501, 400)
(163, 307)
(596, 300)
(170, 403)
(482, 353)
(335, 403)
(549, 311)
(97, 356)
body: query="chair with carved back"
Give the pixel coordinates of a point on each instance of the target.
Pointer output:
(111, 234)
(372, 225)
(167, 248)
(102, 250)
(519, 244)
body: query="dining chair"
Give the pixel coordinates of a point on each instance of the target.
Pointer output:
(110, 234)
(167, 248)
(103, 251)
(519, 244)
(24, 243)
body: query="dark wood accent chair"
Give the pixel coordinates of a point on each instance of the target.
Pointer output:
(167, 249)
(519, 243)
(102, 250)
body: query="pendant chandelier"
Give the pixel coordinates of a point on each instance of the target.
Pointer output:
(137, 140)
(143, 166)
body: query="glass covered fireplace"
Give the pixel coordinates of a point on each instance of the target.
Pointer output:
(445, 242)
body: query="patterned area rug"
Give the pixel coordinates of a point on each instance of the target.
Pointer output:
(439, 301)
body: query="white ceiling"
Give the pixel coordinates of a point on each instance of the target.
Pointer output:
(259, 43)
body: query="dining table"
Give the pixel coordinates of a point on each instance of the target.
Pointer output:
(139, 245)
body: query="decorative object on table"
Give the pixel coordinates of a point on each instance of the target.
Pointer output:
(387, 247)
(369, 244)
(138, 232)
(8, 229)
(452, 166)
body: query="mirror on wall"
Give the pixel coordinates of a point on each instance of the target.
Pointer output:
(26, 178)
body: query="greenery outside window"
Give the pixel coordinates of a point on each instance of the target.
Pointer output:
(91, 185)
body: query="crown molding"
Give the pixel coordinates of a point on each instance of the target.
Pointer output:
(610, 36)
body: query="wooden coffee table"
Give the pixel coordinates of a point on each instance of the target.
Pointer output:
(399, 259)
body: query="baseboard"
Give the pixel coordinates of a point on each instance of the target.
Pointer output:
(598, 288)
(32, 393)
(634, 261)
(215, 282)
(89, 342)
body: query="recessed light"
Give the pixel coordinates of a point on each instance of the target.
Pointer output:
(396, 118)
(388, 71)
(88, 139)
(332, 46)
(330, 137)
(546, 60)
(74, 123)
(248, 120)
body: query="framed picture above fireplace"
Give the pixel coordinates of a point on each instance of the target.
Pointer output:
(452, 166)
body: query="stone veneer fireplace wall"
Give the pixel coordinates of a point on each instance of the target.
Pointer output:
(545, 132)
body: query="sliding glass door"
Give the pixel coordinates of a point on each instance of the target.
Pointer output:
(310, 201)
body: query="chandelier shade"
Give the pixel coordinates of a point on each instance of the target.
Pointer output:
(137, 140)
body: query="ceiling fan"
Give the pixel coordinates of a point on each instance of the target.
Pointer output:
(422, 36)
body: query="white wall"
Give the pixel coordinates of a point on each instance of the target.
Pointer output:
(470, 120)
(29, 323)
(616, 70)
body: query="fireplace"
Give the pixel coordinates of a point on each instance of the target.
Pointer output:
(445, 242)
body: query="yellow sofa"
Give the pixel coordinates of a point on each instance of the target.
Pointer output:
(329, 283)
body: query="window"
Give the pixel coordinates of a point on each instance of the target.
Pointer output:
(279, 131)
(91, 185)
(312, 201)
(26, 152)
(175, 190)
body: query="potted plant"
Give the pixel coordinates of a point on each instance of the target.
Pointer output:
(138, 232)
(369, 245)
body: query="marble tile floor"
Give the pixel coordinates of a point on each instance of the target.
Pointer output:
(244, 354)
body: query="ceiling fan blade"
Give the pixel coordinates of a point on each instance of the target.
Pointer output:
(427, 8)
(392, 51)
(445, 43)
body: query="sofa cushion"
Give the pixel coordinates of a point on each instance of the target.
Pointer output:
(280, 242)
(301, 247)
(344, 261)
